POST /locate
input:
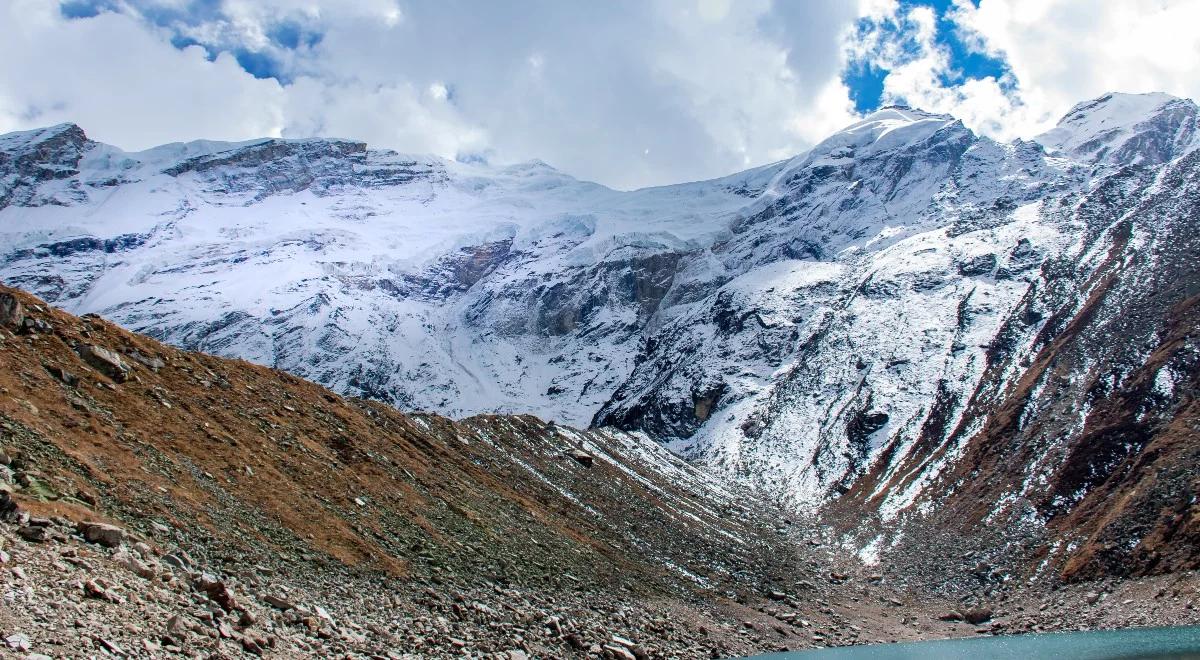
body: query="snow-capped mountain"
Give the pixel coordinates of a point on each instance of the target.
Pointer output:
(426, 283)
(851, 322)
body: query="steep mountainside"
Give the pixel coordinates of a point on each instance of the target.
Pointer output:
(430, 284)
(861, 327)
(159, 503)
(1085, 417)
(262, 477)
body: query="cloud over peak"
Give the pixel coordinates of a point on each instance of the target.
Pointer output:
(628, 93)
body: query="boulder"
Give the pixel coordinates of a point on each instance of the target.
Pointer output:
(63, 375)
(582, 457)
(97, 532)
(977, 615)
(17, 642)
(12, 312)
(125, 558)
(149, 361)
(105, 361)
(247, 619)
(111, 647)
(251, 646)
(218, 592)
(179, 559)
(177, 628)
(34, 533)
(278, 602)
(620, 652)
(100, 590)
(8, 506)
(35, 326)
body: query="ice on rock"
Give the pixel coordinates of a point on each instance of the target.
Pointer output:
(1126, 129)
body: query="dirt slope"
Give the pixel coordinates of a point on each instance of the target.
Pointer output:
(157, 502)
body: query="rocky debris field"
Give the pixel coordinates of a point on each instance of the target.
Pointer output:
(67, 597)
(155, 503)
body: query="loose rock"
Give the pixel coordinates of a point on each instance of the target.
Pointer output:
(977, 615)
(12, 312)
(105, 361)
(102, 533)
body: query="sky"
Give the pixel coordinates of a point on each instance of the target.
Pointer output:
(629, 93)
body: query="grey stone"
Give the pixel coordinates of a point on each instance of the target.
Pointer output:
(102, 533)
(12, 312)
(105, 361)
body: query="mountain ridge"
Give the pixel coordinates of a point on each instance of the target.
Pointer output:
(728, 318)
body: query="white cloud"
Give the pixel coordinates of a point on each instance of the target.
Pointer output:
(122, 82)
(628, 93)
(1066, 51)
(1060, 52)
(745, 92)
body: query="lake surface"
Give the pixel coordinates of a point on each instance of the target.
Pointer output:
(1095, 645)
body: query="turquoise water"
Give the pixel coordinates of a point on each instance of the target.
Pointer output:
(1096, 645)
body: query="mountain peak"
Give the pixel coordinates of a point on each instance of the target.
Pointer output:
(1119, 128)
(903, 113)
(897, 117)
(1116, 103)
(21, 140)
(886, 129)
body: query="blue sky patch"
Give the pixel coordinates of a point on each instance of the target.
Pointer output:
(865, 81)
(85, 8)
(178, 21)
(259, 64)
(292, 35)
(865, 78)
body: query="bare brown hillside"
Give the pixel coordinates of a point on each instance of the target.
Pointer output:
(235, 462)
(159, 502)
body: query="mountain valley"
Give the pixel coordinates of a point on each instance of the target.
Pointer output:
(909, 377)
(158, 502)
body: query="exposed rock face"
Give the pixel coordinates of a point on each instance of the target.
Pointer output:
(1095, 435)
(105, 361)
(858, 328)
(32, 158)
(323, 167)
(12, 313)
